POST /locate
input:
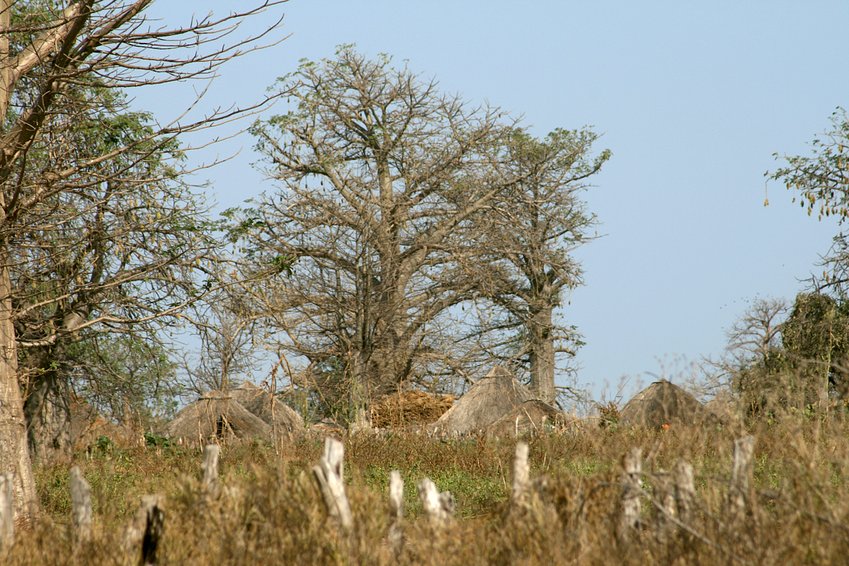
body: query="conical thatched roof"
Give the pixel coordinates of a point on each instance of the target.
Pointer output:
(216, 415)
(529, 418)
(283, 418)
(661, 403)
(484, 403)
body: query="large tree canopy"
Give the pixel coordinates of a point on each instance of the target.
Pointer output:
(399, 212)
(377, 171)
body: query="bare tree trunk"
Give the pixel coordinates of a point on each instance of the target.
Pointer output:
(47, 409)
(14, 453)
(542, 355)
(14, 456)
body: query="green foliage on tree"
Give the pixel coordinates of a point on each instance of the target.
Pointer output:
(821, 184)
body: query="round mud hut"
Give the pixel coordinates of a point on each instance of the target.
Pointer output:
(528, 419)
(485, 402)
(664, 403)
(285, 422)
(216, 416)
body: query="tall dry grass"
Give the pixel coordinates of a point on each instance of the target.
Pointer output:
(270, 511)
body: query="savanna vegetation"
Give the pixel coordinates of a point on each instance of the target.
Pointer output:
(270, 511)
(411, 240)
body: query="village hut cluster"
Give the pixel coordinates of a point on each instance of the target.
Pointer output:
(244, 413)
(497, 405)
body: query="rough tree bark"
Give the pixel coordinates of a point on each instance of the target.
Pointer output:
(14, 453)
(541, 354)
(47, 408)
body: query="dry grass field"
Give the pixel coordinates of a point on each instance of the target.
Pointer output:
(269, 510)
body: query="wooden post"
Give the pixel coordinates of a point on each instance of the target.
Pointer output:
(210, 469)
(629, 503)
(439, 507)
(396, 511)
(685, 491)
(81, 516)
(144, 533)
(329, 474)
(739, 492)
(154, 523)
(521, 475)
(7, 511)
(667, 512)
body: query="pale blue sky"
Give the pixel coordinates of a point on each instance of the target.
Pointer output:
(693, 99)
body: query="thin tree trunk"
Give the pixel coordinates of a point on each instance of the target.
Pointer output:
(542, 355)
(14, 453)
(14, 456)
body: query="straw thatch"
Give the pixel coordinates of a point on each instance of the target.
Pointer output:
(216, 416)
(485, 402)
(409, 408)
(283, 419)
(528, 419)
(664, 403)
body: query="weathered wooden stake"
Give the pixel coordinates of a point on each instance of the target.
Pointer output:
(685, 491)
(739, 493)
(329, 476)
(521, 475)
(629, 503)
(210, 469)
(153, 530)
(665, 500)
(144, 533)
(81, 515)
(396, 511)
(7, 511)
(439, 507)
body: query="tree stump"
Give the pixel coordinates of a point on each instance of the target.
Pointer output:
(521, 475)
(740, 490)
(143, 535)
(329, 474)
(81, 515)
(396, 512)
(439, 507)
(210, 469)
(685, 491)
(630, 506)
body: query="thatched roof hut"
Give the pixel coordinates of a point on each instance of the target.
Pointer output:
(530, 418)
(485, 402)
(281, 417)
(216, 416)
(664, 403)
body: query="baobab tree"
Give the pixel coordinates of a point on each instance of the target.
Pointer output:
(527, 244)
(354, 259)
